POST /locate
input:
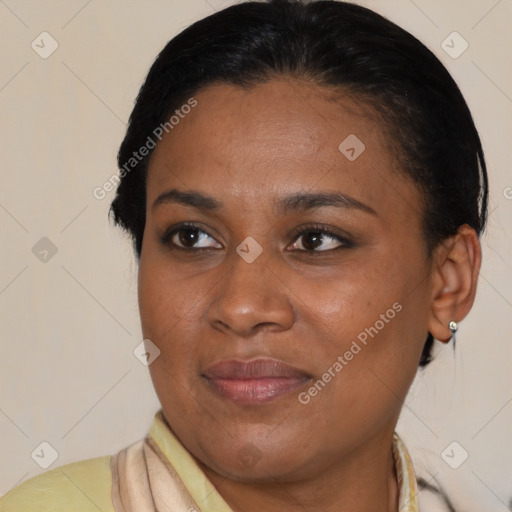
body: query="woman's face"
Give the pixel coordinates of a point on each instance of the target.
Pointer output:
(291, 316)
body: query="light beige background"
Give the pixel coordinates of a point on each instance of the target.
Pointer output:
(69, 325)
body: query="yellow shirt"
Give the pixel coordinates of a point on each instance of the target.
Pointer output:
(156, 473)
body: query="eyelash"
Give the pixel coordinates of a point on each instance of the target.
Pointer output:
(314, 228)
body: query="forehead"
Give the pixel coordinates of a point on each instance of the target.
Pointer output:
(249, 144)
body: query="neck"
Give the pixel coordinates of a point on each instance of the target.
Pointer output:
(364, 481)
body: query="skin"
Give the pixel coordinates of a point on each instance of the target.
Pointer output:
(246, 148)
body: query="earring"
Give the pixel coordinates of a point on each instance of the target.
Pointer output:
(453, 329)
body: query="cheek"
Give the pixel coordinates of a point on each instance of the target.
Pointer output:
(354, 297)
(166, 299)
(374, 315)
(168, 319)
(167, 312)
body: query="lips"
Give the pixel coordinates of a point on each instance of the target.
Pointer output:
(254, 382)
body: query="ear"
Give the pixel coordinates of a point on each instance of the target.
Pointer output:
(456, 265)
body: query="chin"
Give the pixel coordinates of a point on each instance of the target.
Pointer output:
(252, 464)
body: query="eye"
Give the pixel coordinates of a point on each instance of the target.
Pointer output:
(188, 237)
(311, 238)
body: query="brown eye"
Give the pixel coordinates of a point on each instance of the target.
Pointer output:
(189, 237)
(312, 240)
(319, 240)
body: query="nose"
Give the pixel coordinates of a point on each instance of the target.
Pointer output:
(251, 297)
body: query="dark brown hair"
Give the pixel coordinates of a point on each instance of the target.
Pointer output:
(340, 45)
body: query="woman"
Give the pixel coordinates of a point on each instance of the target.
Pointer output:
(305, 189)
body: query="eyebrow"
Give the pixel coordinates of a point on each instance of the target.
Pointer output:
(289, 204)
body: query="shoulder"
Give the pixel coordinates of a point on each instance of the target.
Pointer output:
(83, 486)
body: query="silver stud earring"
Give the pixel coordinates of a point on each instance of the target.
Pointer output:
(453, 328)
